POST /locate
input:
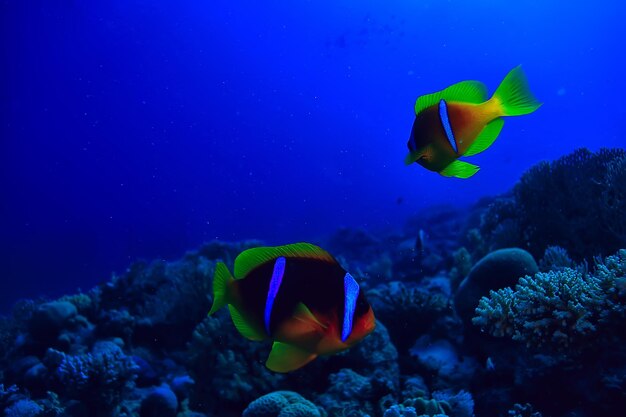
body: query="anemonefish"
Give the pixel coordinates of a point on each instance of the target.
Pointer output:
(460, 121)
(297, 296)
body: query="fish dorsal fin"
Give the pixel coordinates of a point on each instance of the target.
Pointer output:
(246, 329)
(460, 169)
(252, 258)
(486, 137)
(285, 357)
(464, 91)
(303, 314)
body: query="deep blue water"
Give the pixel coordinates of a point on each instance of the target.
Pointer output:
(140, 129)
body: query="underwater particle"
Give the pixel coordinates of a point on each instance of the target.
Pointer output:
(460, 121)
(299, 297)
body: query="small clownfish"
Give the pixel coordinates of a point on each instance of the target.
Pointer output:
(299, 297)
(460, 121)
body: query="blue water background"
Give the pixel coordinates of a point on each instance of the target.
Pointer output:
(139, 129)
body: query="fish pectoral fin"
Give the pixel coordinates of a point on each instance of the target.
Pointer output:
(303, 314)
(460, 169)
(486, 137)
(286, 358)
(303, 328)
(413, 156)
(246, 329)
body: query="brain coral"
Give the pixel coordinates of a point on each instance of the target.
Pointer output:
(281, 404)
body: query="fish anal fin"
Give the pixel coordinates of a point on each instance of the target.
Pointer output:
(252, 258)
(460, 169)
(286, 358)
(464, 91)
(485, 138)
(246, 329)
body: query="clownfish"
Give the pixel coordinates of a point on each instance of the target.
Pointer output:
(297, 296)
(460, 121)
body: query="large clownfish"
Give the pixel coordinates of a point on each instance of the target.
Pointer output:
(460, 121)
(299, 297)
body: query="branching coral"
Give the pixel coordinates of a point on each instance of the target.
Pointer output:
(559, 310)
(168, 299)
(523, 410)
(227, 366)
(613, 199)
(555, 257)
(99, 379)
(407, 310)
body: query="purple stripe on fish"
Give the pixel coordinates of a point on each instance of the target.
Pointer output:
(277, 279)
(351, 289)
(445, 121)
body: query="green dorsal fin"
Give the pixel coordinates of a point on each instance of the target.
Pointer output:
(246, 329)
(486, 137)
(286, 358)
(251, 258)
(460, 169)
(464, 91)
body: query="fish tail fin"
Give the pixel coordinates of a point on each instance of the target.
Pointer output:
(514, 96)
(222, 281)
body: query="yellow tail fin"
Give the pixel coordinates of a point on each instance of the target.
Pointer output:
(514, 95)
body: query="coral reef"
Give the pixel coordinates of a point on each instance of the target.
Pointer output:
(403, 306)
(281, 404)
(564, 310)
(454, 337)
(499, 269)
(576, 202)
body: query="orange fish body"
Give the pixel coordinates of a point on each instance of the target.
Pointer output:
(460, 121)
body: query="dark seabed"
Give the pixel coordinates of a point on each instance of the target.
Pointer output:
(143, 142)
